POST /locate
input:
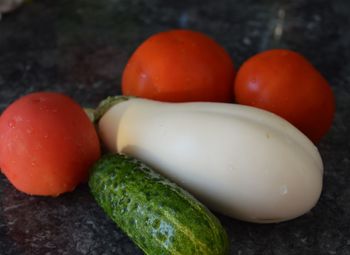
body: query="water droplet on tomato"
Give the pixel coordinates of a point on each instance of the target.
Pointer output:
(39, 99)
(43, 108)
(253, 85)
(12, 124)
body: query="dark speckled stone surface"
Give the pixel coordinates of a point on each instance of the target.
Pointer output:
(80, 47)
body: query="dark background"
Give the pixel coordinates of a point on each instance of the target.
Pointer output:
(80, 47)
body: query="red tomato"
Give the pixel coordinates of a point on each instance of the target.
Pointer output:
(47, 144)
(178, 66)
(284, 82)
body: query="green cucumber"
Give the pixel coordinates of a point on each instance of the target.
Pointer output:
(159, 216)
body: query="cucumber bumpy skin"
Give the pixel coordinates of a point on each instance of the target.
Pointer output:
(159, 216)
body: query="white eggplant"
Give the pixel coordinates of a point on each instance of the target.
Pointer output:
(241, 161)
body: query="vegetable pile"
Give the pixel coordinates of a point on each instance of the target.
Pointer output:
(177, 116)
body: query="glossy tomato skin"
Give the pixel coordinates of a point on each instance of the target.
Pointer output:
(286, 83)
(178, 66)
(47, 144)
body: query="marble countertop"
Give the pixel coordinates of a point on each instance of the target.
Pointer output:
(80, 47)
